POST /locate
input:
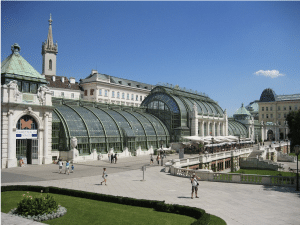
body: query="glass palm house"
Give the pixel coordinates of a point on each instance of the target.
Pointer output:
(101, 126)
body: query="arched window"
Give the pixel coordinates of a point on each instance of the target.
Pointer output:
(26, 123)
(50, 64)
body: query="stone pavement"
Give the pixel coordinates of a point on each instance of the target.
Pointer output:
(235, 203)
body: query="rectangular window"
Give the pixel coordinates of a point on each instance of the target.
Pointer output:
(118, 94)
(132, 97)
(72, 95)
(112, 94)
(100, 91)
(279, 116)
(123, 95)
(262, 108)
(262, 116)
(278, 108)
(85, 92)
(290, 107)
(25, 87)
(33, 88)
(106, 93)
(136, 97)
(127, 96)
(92, 92)
(267, 116)
(267, 108)
(141, 98)
(271, 108)
(271, 115)
(284, 108)
(285, 115)
(279, 123)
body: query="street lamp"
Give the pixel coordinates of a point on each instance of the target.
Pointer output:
(297, 151)
(212, 142)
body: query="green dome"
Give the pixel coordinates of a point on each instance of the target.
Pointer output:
(242, 111)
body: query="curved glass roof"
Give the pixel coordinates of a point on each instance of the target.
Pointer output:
(236, 128)
(180, 103)
(91, 122)
(268, 95)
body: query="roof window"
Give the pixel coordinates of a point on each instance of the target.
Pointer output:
(129, 84)
(120, 82)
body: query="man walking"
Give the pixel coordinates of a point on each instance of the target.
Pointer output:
(60, 165)
(194, 181)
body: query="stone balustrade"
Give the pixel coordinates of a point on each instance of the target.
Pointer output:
(236, 177)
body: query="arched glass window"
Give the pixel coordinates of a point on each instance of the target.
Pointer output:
(50, 64)
(26, 123)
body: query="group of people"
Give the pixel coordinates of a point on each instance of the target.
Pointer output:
(67, 167)
(112, 158)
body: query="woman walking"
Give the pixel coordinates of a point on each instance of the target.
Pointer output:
(104, 176)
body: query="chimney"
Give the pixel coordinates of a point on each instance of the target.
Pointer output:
(53, 78)
(72, 80)
(63, 79)
(94, 71)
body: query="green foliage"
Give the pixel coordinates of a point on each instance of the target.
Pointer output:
(34, 206)
(293, 119)
(199, 214)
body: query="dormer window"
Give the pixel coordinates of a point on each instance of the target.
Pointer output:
(138, 85)
(129, 84)
(120, 82)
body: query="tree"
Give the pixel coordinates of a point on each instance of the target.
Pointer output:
(293, 120)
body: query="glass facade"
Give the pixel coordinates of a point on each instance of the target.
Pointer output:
(172, 107)
(96, 126)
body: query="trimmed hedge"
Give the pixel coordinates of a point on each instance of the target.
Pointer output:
(202, 218)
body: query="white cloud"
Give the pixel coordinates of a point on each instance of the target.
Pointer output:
(269, 73)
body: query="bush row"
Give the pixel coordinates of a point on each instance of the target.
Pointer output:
(202, 218)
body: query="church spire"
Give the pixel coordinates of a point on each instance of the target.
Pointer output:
(49, 51)
(50, 37)
(48, 45)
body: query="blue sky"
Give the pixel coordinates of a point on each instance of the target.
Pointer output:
(231, 51)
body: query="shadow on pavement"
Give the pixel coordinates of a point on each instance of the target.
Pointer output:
(282, 189)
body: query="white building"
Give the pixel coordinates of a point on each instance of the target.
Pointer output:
(113, 90)
(26, 113)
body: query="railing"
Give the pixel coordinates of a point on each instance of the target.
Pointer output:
(236, 177)
(205, 158)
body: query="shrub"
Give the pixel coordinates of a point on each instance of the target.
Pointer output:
(29, 206)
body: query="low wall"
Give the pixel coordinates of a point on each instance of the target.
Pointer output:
(257, 164)
(236, 177)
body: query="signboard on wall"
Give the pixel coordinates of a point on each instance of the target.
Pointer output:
(26, 134)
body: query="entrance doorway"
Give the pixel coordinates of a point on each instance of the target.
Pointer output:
(270, 135)
(26, 140)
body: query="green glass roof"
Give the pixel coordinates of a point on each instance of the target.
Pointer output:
(15, 64)
(242, 111)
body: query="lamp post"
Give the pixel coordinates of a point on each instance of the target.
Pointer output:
(212, 142)
(297, 151)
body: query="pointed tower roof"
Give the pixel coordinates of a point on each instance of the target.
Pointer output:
(48, 45)
(15, 66)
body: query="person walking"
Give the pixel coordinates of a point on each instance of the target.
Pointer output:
(67, 168)
(112, 158)
(116, 157)
(60, 165)
(195, 184)
(151, 159)
(104, 176)
(108, 157)
(72, 167)
(157, 159)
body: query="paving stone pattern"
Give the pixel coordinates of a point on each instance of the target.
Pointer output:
(235, 203)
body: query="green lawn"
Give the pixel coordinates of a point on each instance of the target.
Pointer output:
(265, 172)
(86, 211)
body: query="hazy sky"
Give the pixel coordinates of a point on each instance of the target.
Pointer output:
(231, 51)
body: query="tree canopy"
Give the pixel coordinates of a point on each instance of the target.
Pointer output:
(293, 120)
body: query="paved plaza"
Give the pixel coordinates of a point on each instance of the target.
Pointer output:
(235, 203)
